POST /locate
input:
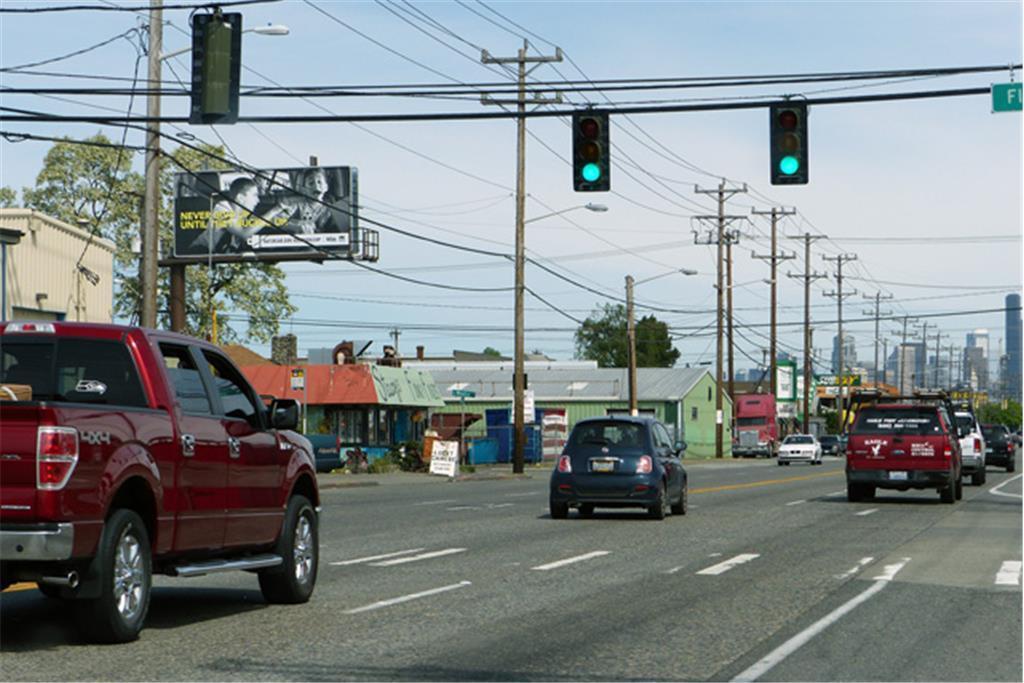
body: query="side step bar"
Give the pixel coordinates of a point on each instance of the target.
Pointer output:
(213, 566)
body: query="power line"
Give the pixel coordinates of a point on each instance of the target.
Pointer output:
(115, 8)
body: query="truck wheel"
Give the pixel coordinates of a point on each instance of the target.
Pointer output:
(1011, 465)
(978, 478)
(292, 581)
(124, 568)
(948, 494)
(958, 490)
(854, 492)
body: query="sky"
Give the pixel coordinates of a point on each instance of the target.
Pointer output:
(926, 193)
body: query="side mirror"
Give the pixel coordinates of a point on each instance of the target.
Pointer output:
(680, 448)
(284, 413)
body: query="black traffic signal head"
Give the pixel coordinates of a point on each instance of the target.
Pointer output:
(591, 162)
(216, 67)
(789, 143)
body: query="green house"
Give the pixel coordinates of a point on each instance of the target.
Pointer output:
(682, 398)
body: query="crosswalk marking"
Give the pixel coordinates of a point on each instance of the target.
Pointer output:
(723, 567)
(417, 558)
(570, 560)
(1009, 573)
(371, 558)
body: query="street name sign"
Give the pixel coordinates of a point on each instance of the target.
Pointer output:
(1006, 97)
(463, 393)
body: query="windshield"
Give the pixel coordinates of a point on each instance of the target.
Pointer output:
(799, 439)
(913, 421)
(750, 421)
(611, 434)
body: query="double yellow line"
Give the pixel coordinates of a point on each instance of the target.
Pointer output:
(765, 482)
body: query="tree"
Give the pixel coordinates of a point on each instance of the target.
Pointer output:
(602, 337)
(96, 183)
(996, 414)
(490, 351)
(8, 197)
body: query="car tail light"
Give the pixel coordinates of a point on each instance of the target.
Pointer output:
(644, 465)
(977, 445)
(56, 456)
(564, 464)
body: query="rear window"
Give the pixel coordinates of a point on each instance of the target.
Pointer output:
(965, 422)
(913, 421)
(72, 371)
(750, 421)
(993, 433)
(621, 434)
(829, 439)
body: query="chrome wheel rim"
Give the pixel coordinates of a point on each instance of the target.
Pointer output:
(302, 550)
(129, 576)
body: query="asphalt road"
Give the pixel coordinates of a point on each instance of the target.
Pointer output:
(772, 575)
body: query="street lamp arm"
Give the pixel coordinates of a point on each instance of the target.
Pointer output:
(268, 30)
(589, 207)
(683, 271)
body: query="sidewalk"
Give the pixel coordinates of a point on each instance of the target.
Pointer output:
(343, 479)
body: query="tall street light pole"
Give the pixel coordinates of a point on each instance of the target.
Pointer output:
(631, 331)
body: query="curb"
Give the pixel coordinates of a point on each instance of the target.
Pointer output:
(347, 484)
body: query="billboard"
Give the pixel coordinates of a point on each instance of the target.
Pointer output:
(265, 213)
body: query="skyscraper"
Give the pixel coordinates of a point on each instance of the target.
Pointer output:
(975, 374)
(1013, 346)
(849, 352)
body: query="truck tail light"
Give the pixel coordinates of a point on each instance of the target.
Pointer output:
(56, 456)
(644, 465)
(564, 464)
(977, 445)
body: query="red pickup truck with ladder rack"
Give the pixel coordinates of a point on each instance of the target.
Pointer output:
(126, 452)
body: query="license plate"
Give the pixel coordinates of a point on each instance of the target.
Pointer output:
(897, 476)
(602, 466)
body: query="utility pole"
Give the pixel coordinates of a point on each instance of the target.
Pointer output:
(151, 217)
(774, 259)
(938, 350)
(519, 379)
(901, 356)
(840, 259)
(395, 334)
(924, 345)
(719, 239)
(878, 297)
(885, 360)
(631, 344)
(808, 277)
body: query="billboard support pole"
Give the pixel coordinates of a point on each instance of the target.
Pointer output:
(177, 297)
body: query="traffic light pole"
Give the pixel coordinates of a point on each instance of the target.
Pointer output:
(519, 379)
(720, 236)
(774, 259)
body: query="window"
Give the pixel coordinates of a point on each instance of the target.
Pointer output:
(184, 376)
(798, 439)
(709, 393)
(73, 371)
(623, 434)
(662, 437)
(693, 413)
(382, 428)
(352, 427)
(912, 421)
(751, 421)
(233, 391)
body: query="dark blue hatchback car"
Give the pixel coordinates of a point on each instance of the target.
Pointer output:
(619, 462)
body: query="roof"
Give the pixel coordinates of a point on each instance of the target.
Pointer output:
(242, 355)
(348, 385)
(574, 384)
(29, 215)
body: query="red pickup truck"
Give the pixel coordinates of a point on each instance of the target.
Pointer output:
(126, 452)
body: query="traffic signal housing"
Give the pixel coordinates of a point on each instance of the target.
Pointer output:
(789, 143)
(216, 67)
(591, 163)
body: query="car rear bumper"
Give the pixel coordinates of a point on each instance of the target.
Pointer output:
(916, 479)
(36, 542)
(610, 490)
(973, 463)
(998, 458)
(796, 457)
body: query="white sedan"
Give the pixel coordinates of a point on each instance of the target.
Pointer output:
(800, 448)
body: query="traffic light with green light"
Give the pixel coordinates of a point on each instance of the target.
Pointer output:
(216, 67)
(789, 143)
(591, 163)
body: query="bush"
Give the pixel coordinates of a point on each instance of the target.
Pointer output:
(407, 457)
(381, 466)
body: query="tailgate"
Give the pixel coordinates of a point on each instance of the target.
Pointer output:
(898, 439)
(18, 424)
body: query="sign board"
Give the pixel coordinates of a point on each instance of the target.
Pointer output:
(976, 397)
(529, 407)
(444, 458)
(463, 393)
(265, 213)
(785, 381)
(834, 380)
(1006, 97)
(298, 379)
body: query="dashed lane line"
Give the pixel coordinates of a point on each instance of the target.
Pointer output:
(863, 562)
(865, 513)
(372, 558)
(722, 567)
(570, 560)
(407, 598)
(437, 502)
(796, 502)
(416, 558)
(1009, 574)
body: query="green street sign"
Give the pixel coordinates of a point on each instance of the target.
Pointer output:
(463, 393)
(1006, 97)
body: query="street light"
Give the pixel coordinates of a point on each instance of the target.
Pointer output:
(518, 373)
(631, 329)
(150, 240)
(8, 237)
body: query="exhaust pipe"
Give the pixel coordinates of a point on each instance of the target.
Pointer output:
(70, 580)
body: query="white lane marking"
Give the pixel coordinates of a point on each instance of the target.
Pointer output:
(865, 513)
(889, 571)
(371, 558)
(723, 567)
(1009, 574)
(407, 598)
(495, 506)
(458, 508)
(863, 562)
(570, 560)
(996, 492)
(796, 502)
(836, 493)
(437, 502)
(674, 569)
(417, 558)
(520, 495)
(769, 661)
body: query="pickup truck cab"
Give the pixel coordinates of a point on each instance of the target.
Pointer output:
(129, 452)
(902, 446)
